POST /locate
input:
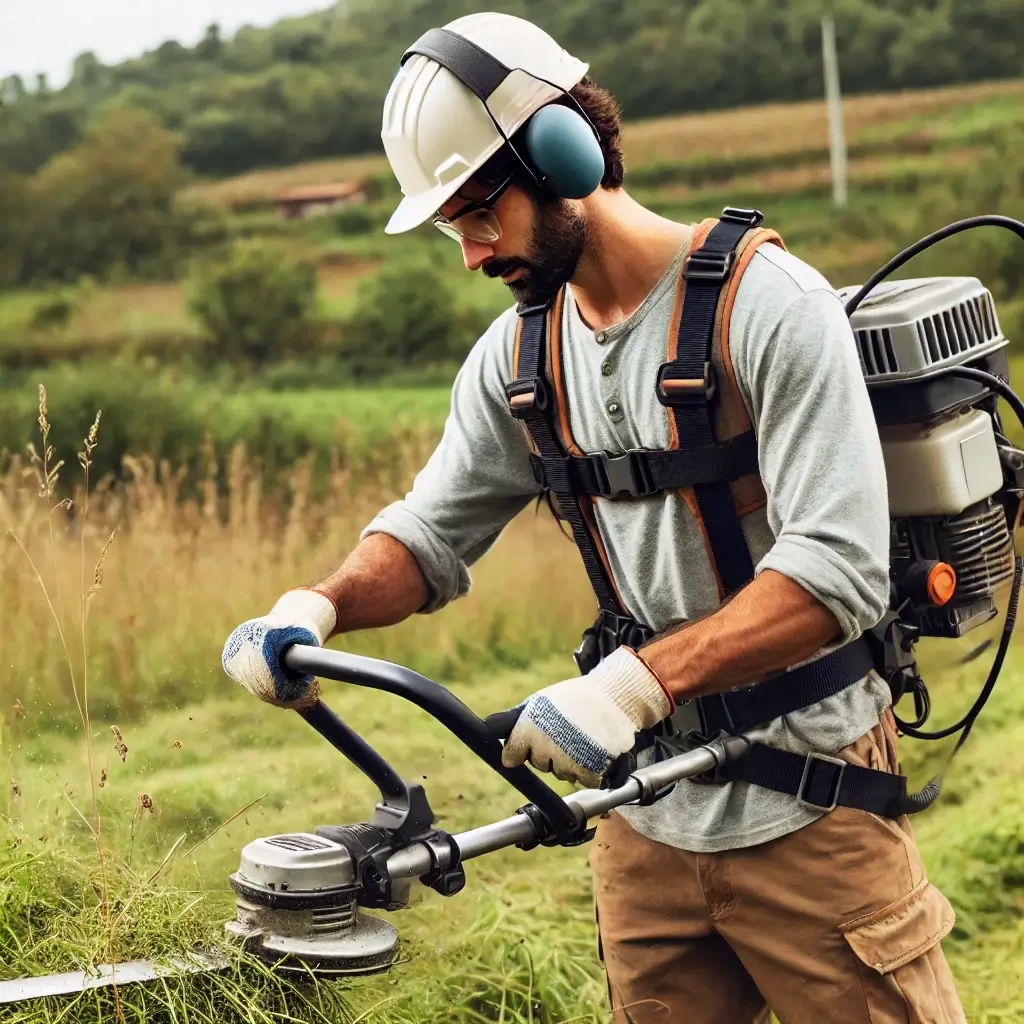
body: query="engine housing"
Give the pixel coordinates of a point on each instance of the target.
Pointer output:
(948, 466)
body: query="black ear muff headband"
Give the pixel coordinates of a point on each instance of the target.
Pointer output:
(474, 67)
(481, 73)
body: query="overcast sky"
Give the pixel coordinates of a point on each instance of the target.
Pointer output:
(46, 35)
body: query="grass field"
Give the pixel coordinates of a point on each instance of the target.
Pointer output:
(142, 618)
(518, 944)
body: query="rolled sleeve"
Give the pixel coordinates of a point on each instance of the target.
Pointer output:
(821, 461)
(474, 483)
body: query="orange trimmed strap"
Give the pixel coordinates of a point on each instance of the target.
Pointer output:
(697, 239)
(750, 246)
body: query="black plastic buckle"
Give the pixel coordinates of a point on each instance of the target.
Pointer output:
(621, 474)
(527, 396)
(709, 266)
(715, 716)
(538, 470)
(739, 215)
(608, 632)
(834, 789)
(673, 390)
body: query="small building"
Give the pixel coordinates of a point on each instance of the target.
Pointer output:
(309, 200)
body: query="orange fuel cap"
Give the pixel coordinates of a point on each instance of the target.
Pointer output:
(941, 583)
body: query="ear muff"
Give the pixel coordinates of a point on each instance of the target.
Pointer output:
(563, 148)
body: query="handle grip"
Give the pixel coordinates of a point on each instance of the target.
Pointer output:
(501, 724)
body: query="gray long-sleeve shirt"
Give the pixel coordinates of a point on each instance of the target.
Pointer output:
(826, 523)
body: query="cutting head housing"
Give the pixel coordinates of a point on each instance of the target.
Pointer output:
(297, 908)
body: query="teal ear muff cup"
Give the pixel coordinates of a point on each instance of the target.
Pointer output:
(563, 148)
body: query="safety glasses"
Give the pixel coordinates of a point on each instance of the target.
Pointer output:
(476, 221)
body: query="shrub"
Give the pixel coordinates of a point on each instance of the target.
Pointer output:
(355, 220)
(256, 303)
(53, 311)
(408, 314)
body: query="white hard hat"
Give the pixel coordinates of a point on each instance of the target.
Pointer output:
(437, 133)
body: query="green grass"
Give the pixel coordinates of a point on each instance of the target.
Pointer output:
(520, 934)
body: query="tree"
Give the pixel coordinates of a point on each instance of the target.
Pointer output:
(108, 202)
(12, 90)
(211, 46)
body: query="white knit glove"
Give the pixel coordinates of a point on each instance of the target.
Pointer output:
(576, 728)
(252, 654)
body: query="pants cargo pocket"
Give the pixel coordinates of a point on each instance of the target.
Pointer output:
(905, 976)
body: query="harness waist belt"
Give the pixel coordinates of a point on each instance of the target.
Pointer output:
(821, 782)
(641, 472)
(738, 710)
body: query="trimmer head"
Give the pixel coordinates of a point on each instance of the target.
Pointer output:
(297, 909)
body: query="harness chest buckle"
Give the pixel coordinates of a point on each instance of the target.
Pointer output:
(739, 215)
(622, 474)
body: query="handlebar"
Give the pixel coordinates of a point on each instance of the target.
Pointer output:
(440, 703)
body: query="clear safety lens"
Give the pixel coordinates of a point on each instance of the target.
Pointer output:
(477, 226)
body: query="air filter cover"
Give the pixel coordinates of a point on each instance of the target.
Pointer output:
(914, 328)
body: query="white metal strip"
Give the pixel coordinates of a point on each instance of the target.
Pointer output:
(129, 973)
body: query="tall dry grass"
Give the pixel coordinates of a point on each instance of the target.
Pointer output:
(182, 571)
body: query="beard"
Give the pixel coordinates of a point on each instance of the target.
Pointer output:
(557, 240)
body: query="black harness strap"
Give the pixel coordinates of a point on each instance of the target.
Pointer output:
(530, 400)
(639, 473)
(686, 385)
(820, 782)
(738, 710)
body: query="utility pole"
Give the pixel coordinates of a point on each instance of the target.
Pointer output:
(833, 96)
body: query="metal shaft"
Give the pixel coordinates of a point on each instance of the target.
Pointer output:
(415, 860)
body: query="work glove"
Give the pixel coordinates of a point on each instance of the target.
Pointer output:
(576, 728)
(252, 653)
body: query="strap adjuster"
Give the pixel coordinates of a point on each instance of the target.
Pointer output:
(709, 266)
(833, 789)
(672, 390)
(527, 396)
(621, 474)
(739, 215)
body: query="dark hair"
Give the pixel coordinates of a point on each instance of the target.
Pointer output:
(605, 115)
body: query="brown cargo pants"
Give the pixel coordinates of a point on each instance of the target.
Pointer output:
(836, 922)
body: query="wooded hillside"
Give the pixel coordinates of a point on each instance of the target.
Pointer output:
(313, 86)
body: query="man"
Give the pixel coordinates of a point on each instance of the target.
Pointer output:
(722, 899)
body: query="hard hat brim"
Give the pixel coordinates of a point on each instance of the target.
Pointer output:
(413, 211)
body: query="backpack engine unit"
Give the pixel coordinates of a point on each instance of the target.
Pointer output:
(954, 478)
